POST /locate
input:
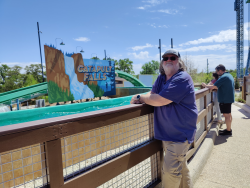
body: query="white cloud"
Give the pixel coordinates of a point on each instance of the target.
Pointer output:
(136, 48)
(163, 26)
(169, 11)
(142, 8)
(82, 39)
(155, 2)
(222, 36)
(214, 59)
(137, 67)
(141, 55)
(226, 47)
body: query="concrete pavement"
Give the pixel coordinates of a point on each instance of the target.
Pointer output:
(229, 163)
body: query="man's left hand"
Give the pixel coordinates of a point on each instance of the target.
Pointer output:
(134, 100)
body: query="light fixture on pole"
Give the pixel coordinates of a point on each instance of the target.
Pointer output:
(60, 43)
(81, 49)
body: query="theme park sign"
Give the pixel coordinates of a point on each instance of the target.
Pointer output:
(70, 77)
(88, 70)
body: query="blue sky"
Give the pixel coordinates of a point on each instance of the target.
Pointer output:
(126, 29)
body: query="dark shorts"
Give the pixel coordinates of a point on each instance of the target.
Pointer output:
(225, 108)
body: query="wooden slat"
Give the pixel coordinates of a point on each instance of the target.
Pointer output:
(201, 115)
(23, 139)
(197, 144)
(205, 106)
(113, 168)
(201, 93)
(54, 162)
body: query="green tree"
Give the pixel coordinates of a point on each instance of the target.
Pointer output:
(151, 67)
(36, 71)
(237, 84)
(30, 80)
(3, 73)
(14, 79)
(95, 58)
(125, 65)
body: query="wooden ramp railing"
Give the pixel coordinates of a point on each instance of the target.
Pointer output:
(110, 147)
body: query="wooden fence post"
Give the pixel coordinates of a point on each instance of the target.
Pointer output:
(54, 162)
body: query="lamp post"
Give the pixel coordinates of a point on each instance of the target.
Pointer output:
(60, 43)
(105, 54)
(207, 66)
(40, 48)
(81, 49)
(160, 48)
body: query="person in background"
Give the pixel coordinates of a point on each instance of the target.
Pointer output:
(215, 98)
(175, 117)
(225, 87)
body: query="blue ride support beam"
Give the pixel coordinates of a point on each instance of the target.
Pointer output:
(17, 104)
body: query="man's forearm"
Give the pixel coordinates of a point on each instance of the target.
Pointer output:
(154, 100)
(211, 87)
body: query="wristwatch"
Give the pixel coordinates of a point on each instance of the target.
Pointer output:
(138, 97)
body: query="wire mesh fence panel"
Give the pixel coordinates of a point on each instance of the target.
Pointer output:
(209, 116)
(200, 129)
(24, 167)
(208, 98)
(200, 104)
(86, 150)
(143, 174)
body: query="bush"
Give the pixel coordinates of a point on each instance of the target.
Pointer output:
(237, 84)
(240, 100)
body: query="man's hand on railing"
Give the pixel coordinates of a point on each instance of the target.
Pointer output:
(135, 100)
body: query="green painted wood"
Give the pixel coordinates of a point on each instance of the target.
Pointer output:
(130, 78)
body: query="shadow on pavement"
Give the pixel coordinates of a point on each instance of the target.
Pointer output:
(245, 114)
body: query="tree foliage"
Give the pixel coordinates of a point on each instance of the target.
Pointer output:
(125, 65)
(12, 77)
(151, 67)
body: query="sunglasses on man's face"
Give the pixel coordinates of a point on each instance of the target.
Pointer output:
(172, 58)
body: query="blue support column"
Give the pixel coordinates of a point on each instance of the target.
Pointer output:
(17, 104)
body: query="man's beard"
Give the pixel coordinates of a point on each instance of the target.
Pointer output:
(169, 69)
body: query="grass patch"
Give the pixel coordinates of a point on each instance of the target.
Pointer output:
(98, 92)
(56, 94)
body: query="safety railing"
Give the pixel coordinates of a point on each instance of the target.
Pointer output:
(107, 148)
(246, 90)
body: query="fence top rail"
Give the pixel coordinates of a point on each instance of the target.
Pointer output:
(32, 125)
(20, 127)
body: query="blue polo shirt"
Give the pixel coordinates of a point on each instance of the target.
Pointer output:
(176, 121)
(225, 86)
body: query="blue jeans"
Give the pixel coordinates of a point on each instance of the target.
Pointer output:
(216, 104)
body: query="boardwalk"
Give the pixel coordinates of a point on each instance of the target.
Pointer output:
(229, 163)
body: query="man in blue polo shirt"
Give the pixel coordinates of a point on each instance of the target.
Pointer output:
(225, 87)
(175, 116)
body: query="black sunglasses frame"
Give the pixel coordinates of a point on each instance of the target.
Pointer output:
(172, 58)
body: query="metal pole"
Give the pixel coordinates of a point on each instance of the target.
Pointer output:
(40, 48)
(207, 66)
(105, 54)
(171, 42)
(160, 48)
